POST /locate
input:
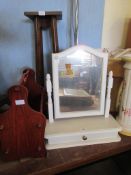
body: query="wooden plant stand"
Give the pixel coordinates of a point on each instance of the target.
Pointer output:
(43, 21)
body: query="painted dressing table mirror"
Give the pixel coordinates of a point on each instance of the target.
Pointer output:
(79, 114)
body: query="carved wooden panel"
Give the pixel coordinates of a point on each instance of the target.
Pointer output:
(21, 128)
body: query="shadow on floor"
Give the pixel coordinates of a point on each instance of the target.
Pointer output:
(118, 165)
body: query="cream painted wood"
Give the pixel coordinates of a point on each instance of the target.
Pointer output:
(49, 94)
(108, 96)
(81, 127)
(55, 60)
(124, 117)
(81, 131)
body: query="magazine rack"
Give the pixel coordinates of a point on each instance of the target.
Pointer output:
(81, 99)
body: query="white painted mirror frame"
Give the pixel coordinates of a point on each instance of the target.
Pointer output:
(55, 63)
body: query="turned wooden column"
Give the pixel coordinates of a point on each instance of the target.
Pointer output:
(43, 21)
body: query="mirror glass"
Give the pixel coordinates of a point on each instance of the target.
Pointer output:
(80, 76)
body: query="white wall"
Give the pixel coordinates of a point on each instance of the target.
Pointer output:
(116, 18)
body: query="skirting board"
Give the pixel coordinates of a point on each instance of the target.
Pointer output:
(81, 131)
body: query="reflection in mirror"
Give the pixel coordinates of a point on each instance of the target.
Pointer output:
(80, 76)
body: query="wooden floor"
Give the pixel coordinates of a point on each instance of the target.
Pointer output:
(117, 165)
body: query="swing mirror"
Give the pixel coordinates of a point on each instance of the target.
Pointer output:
(79, 82)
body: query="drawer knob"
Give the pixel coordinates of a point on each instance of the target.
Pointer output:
(84, 138)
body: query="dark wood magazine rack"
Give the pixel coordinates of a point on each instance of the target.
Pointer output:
(21, 128)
